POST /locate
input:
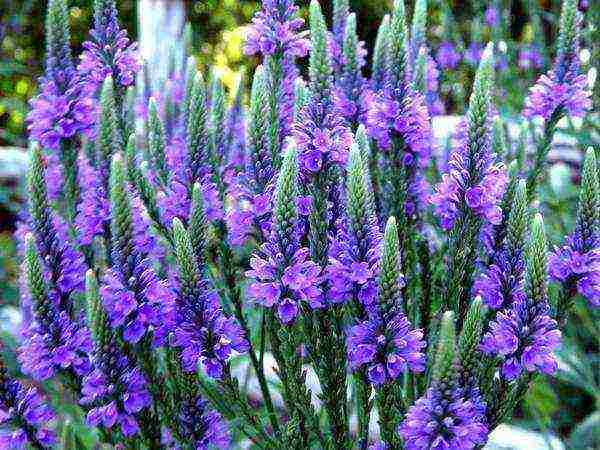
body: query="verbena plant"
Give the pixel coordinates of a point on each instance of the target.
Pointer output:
(171, 236)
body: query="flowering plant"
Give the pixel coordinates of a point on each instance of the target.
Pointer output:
(171, 237)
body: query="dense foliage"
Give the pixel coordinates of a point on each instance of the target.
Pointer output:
(174, 238)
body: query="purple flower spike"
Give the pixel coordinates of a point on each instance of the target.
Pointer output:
(525, 337)
(386, 349)
(571, 263)
(117, 390)
(94, 209)
(444, 420)
(205, 334)
(447, 56)
(276, 29)
(483, 198)
(138, 305)
(354, 266)
(108, 52)
(57, 115)
(25, 418)
(203, 426)
(284, 286)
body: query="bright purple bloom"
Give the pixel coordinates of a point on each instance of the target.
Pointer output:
(385, 348)
(54, 344)
(407, 119)
(354, 265)
(444, 419)
(572, 264)
(281, 285)
(108, 52)
(550, 93)
(501, 284)
(524, 336)
(139, 304)
(58, 114)
(94, 209)
(447, 56)
(275, 33)
(483, 197)
(204, 332)
(563, 87)
(25, 417)
(473, 53)
(202, 426)
(323, 140)
(117, 390)
(276, 29)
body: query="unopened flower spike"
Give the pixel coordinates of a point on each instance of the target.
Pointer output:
(525, 335)
(157, 141)
(418, 27)
(320, 70)
(577, 263)
(109, 138)
(197, 130)
(446, 416)
(380, 53)
(217, 122)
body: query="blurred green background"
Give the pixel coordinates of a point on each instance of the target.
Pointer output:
(566, 405)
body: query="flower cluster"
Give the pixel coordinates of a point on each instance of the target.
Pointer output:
(203, 426)
(139, 304)
(25, 417)
(205, 334)
(386, 348)
(284, 285)
(444, 419)
(117, 391)
(501, 284)
(456, 190)
(525, 337)
(108, 52)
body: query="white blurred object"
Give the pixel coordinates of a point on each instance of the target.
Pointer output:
(161, 24)
(510, 437)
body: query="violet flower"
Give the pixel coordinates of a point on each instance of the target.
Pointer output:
(25, 417)
(524, 336)
(202, 426)
(530, 58)
(204, 333)
(447, 56)
(117, 392)
(108, 52)
(138, 305)
(456, 189)
(386, 348)
(444, 419)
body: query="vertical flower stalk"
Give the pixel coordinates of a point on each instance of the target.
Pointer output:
(576, 265)
(501, 285)
(446, 416)
(524, 335)
(468, 196)
(275, 35)
(383, 344)
(54, 341)
(285, 279)
(560, 92)
(61, 110)
(116, 390)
